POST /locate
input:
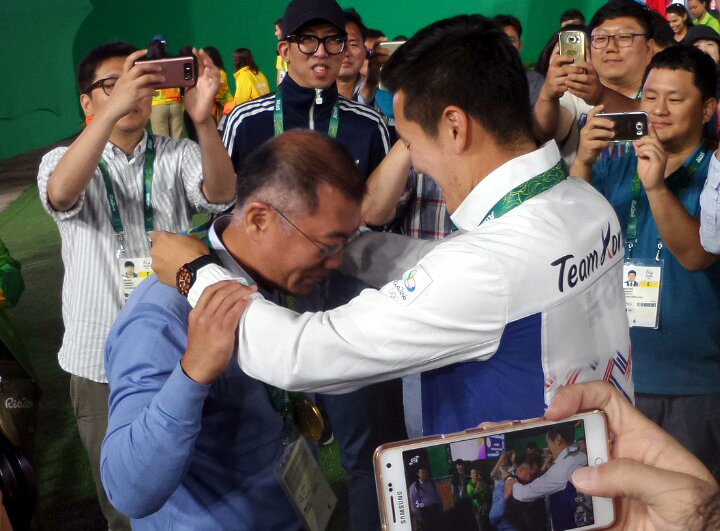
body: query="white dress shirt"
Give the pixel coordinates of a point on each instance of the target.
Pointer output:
(710, 209)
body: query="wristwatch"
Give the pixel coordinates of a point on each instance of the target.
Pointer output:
(186, 274)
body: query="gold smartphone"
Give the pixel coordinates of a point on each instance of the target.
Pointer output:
(574, 43)
(417, 480)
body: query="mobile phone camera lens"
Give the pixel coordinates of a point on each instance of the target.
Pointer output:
(638, 126)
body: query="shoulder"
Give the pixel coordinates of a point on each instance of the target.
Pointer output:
(51, 159)
(362, 111)
(246, 111)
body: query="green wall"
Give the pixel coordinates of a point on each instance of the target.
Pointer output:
(43, 41)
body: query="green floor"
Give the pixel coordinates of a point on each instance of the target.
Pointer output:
(67, 494)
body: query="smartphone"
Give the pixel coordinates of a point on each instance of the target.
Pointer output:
(573, 42)
(178, 71)
(390, 46)
(408, 472)
(628, 125)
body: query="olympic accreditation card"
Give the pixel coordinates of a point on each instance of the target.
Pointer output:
(642, 280)
(306, 486)
(133, 270)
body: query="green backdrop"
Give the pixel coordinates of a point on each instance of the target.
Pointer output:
(42, 43)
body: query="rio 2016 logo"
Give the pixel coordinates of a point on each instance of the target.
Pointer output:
(409, 280)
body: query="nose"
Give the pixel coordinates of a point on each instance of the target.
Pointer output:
(323, 53)
(611, 45)
(660, 107)
(334, 261)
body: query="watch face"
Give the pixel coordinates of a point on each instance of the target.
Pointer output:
(184, 280)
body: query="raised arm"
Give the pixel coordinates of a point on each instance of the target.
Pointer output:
(77, 166)
(218, 174)
(385, 186)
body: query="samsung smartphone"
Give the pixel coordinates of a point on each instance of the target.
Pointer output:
(628, 125)
(573, 42)
(178, 71)
(418, 486)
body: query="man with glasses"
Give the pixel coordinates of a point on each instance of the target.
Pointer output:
(104, 211)
(620, 48)
(191, 438)
(313, 43)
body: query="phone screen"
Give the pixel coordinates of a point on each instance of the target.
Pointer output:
(460, 485)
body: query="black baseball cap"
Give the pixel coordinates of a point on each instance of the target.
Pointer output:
(701, 32)
(300, 12)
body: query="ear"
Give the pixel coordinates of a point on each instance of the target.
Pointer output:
(455, 128)
(709, 108)
(652, 47)
(257, 219)
(86, 104)
(283, 49)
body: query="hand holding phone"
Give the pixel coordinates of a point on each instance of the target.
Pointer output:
(657, 483)
(132, 87)
(627, 126)
(200, 98)
(574, 44)
(412, 475)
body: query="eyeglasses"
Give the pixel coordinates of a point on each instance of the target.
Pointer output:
(309, 44)
(622, 40)
(107, 84)
(325, 250)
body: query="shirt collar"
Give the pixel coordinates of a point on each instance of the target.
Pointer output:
(295, 95)
(111, 150)
(500, 181)
(216, 244)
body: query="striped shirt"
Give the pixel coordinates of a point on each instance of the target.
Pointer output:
(91, 295)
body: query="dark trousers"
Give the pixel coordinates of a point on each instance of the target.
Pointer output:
(694, 420)
(90, 403)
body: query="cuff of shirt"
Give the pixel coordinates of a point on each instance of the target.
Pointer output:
(182, 398)
(206, 277)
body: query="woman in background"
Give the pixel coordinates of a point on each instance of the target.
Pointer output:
(223, 95)
(679, 20)
(250, 82)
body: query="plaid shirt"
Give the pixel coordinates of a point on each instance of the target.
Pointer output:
(422, 212)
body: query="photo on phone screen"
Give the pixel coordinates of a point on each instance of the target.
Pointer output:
(502, 480)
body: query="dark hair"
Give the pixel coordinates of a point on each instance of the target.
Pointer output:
(374, 33)
(466, 61)
(88, 66)
(662, 32)
(566, 431)
(681, 11)
(214, 54)
(278, 22)
(244, 57)
(543, 64)
(533, 460)
(703, 2)
(129, 263)
(633, 272)
(509, 20)
(290, 164)
(353, 17)
(691, 59)
(624, 8)
(185, 50)
(532, 445)
(572, 14)
(400, 37)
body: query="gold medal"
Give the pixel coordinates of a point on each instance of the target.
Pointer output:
(308, 418)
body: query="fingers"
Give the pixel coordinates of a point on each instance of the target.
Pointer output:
(130, 59)
(627, 478)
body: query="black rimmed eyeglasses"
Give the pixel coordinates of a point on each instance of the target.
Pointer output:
(309, 44)
(107, 84)
(326, 251)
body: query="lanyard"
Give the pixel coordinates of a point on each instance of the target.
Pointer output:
(148, 173)
(527, 190)
(637, 189)
(279, 123)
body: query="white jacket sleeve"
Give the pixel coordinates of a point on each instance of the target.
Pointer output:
(710, 209)
(425, 320)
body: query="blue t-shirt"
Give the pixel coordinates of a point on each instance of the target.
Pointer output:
(681, 357)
